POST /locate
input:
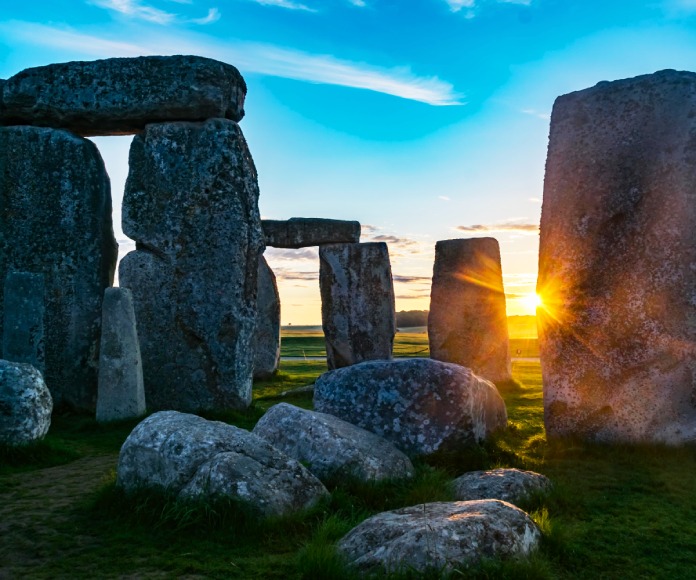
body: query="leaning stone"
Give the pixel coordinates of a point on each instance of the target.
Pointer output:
(23, 322)
(190, 457)
(267, 331)
(617, 249)
(505, 484)
(419, 404)
(304, 232)
(440, 536)
(330, 447)
(119, 96)
(121, 392)
(467, 324)
(191, 205)
(56, 221)
(25, 404)
(357, 303)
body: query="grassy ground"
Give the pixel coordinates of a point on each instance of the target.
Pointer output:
(615, 512)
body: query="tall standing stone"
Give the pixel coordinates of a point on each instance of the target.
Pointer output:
(267, 332)
(191, 205)
(357, 302)
(23, 319)
(55, 220)
(617, 263)
(121, 392)
(467, 324)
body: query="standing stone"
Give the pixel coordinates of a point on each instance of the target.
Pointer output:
(55, 220)
(119, 96)
(191, 205)
(121, 393)
(467, 324)
(267, 332)
(617, 262)
(304, 232)
(357, 303)
(23, 319)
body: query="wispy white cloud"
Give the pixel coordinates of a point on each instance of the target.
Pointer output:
(469, 7)
(138, 10)
(457, 5)
(359, 3)
(443, 198)
(534, 199)
(249, 57)
(289, 4)
(520, 228)
(213, 16)
(538, 114)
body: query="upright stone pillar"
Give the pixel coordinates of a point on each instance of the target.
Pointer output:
(23, 319)
(617, 262)
(267, 332)
(55, 220)
(467, 323)
(191, 205)
(357, 302)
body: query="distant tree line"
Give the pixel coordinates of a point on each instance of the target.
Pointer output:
(408, 318)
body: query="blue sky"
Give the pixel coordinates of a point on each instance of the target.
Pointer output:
(423, 119)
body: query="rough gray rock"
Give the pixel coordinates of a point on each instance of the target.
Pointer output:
(56, 221)
(504, 484)
(304, 232)
(23, 323)
(193, 458)
(419, 404)
(121, 393)
(467, 323)
(357, 303)
(267, 331)
(25, 404)
(119, 96)
(191, 205)
(440, 536)
(331, 447)
(616, 263)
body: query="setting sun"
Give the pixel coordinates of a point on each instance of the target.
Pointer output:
(531, 302)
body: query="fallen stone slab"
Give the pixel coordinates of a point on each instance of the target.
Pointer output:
(506, 484)
(418, 404)
(24, 311)
(25, 404)
(330, 447)
(304, 232)
(440, 536)
(267, 331)
(119, 96)
(191, 457)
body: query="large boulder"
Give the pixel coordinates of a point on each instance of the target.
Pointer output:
(119, 96)
(56, 221)
(440, 536)
(267, 331)
(616, 262)
(191, 205)
(419, 404)
(190, 457)
(506, 484)
(467, 323)
(303, 232)
(357, 302)
(24, 312)
(331, 447)
(25, 404)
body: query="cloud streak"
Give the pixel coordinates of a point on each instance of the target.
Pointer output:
(504, 227)
(140, 11)
(287, 4)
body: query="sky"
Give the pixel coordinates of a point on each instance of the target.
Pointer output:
(424, 120)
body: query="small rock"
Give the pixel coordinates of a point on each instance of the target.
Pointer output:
(329, 446)
(304, 232)
(504, 484)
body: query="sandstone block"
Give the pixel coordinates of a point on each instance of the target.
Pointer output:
(303, 232)
(267, 331)
(23, 319)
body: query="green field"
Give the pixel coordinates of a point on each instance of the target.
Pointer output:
(614, 512)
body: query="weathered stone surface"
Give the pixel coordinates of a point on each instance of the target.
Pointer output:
(419, 404)
(25, 404)
(191, 204)
(267, 331)
(121, 393)
(467, 324)
(23, 322)
(56, 221)
(304, 232)
(440, 536)
(190, 457)
(357, 303)
(617, 263)
(504, 484)
(119, 96)
(331, 447)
